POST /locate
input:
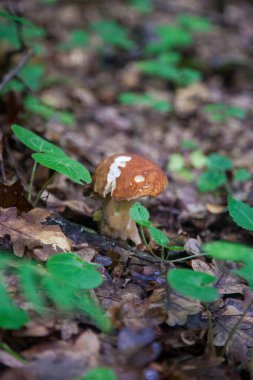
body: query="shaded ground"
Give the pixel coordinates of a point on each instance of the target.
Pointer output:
(155, 337)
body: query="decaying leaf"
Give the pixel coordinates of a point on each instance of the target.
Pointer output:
(26, 231)
(178, 308)
(14, 196)
(241, 343)
(226, 283)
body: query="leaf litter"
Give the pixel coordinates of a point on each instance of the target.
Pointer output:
(157, 335)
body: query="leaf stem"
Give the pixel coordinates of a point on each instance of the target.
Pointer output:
(210, 331)
(31, 181)
(188, 258)
(233, 330)
(147, 245)
(50, 179)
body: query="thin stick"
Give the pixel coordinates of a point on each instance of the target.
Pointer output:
(50, 179)
(31, 182)
(210, 332)
(233, 330)
(13, 72)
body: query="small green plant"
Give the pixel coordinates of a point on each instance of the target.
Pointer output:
(78, 38)
(65, 281)
(193, 284)
(241, 213)
(180, 76)
(142, 6)
(31, 34)
(220, 112)
(193, 23)
(47, 112)
(140, 215)
(216, 177)
(112, 34)
(145, 100)
(99, 374)
(52, 157)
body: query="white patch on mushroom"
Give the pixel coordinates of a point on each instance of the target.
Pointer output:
(139, 178)
(114, 173)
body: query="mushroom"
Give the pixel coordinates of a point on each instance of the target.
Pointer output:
(121, 179)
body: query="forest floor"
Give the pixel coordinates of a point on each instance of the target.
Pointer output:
(78, 90)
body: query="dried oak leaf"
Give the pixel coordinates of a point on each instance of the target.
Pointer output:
(226, 283)
(26, 231)
(177, 309)
(241, 343)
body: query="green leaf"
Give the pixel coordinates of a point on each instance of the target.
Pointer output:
(32, 76)
(224, 250)
(176, 162)
(112, 33)
(246, 272)
(142, 6)
(11, 316)
(241, 213)
(219, 162)
(88, 305)
(20, 20)
(159, 237)
(220, 112)
(211, 180)
(35, 142)
(198, 159)
(147, 100)
(73, 271)
(242, 175)
(193, 284)
(47, 112)
(194, 23)
(99, 374)
(64, 165)
(78, 39)
(30, 280)
(140, 214)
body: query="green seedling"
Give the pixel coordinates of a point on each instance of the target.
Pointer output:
(78, 38)
(220, 112)
(140, 215)
(31, 34)
(181, 166)
(112, 34)
(142, 6)
(193, 23)
(145, 100)
(193, 284)
(47, 112)
(99, 374)
(65, 281)
(52, 157)
(216, 177)
(241, 213)
(179, 76)
(169, 37)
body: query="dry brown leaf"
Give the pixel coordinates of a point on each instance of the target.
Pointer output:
(178, 307)
(28, 232)
(226, 283)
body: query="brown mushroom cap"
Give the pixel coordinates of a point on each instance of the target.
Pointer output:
(128, 176)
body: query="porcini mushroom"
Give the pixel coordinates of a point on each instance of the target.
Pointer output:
(121, 179)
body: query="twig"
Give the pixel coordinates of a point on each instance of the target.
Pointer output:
(13, 72)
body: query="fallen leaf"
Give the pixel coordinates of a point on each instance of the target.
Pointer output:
(26, 231)
(177, 309)
(14, 196)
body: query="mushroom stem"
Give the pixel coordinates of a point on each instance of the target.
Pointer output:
(116, 221)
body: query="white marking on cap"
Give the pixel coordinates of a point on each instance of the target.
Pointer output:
(139, 178)
(114, 173)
